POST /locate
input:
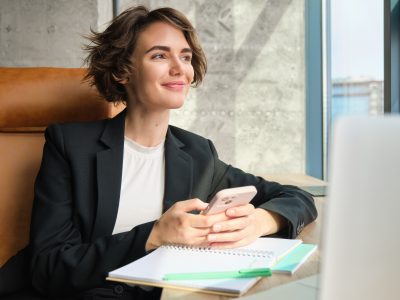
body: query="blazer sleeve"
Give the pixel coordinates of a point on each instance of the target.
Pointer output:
(292, 203)
(62, 262)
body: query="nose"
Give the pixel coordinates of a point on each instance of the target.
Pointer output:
(176, 67)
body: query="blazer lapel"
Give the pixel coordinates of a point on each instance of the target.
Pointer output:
(178, 172)
(109, 173)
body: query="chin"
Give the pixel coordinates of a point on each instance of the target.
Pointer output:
(176, 103)
(176, 106)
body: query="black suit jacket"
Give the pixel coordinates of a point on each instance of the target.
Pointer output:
(77, 193)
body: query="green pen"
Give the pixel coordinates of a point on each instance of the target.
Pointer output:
(243, 273)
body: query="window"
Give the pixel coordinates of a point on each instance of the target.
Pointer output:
(355, 62)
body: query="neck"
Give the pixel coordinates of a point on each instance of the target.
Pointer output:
(147, 128)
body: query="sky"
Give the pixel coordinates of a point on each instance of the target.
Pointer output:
(357, 38)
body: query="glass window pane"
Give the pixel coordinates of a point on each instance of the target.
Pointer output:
(356, 57)
(356, 60)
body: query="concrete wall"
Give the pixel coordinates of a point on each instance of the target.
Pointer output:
(251, 104)
(48, 32)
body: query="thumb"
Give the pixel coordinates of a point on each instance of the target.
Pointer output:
(192, 204)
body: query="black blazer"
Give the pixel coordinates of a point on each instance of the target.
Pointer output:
(77, 193)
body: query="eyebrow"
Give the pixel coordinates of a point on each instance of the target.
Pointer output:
(168, 49)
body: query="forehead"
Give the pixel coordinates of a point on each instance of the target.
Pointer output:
(163, 34)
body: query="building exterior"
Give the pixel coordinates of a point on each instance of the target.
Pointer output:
(356, 96)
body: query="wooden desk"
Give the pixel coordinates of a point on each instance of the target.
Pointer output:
(310, 234)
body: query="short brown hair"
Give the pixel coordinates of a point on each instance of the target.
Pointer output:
(110, 51)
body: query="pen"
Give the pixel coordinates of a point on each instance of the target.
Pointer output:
(243, 273)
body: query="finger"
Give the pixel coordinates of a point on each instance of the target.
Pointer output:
(201, 242)
(195, 241)
(201, 221)
(240, 211)
(248, 239)
(232, 224)
(230, 245)
(232, 236)
(201, 232)
(189, 205)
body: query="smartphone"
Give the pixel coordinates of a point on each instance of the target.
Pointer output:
(228, 198)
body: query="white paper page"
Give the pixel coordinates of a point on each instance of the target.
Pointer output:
(164, 260)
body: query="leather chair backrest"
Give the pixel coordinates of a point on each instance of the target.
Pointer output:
(31, 99)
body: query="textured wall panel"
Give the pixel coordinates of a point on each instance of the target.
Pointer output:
(47, 32)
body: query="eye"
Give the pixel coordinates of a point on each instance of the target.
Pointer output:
(186, 58)
(158, 56)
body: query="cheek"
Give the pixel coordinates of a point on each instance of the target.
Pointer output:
(151, 73)
(190, 73)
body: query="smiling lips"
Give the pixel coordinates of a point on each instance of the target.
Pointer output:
(174, 85)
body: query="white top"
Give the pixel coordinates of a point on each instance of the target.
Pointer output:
(142, 185)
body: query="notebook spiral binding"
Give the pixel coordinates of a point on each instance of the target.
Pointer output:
(238, 252)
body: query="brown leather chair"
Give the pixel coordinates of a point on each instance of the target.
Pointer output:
(31, 99)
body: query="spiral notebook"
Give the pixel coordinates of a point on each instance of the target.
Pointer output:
(150, 269)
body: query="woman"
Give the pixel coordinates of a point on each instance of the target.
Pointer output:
(110, 191)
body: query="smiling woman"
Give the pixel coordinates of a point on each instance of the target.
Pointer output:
(110, 191)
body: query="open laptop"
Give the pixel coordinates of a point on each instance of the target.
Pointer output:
(361, 234)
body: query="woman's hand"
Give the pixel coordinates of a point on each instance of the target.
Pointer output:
(178, 226)
(244, 225)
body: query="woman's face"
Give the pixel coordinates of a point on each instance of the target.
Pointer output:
(162, 68)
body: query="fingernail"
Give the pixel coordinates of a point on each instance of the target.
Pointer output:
(211, 237)
(217, 227)
(230, 211)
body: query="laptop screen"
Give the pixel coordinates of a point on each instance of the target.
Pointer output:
(361, 240)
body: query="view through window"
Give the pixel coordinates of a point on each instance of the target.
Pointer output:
(356, 60)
